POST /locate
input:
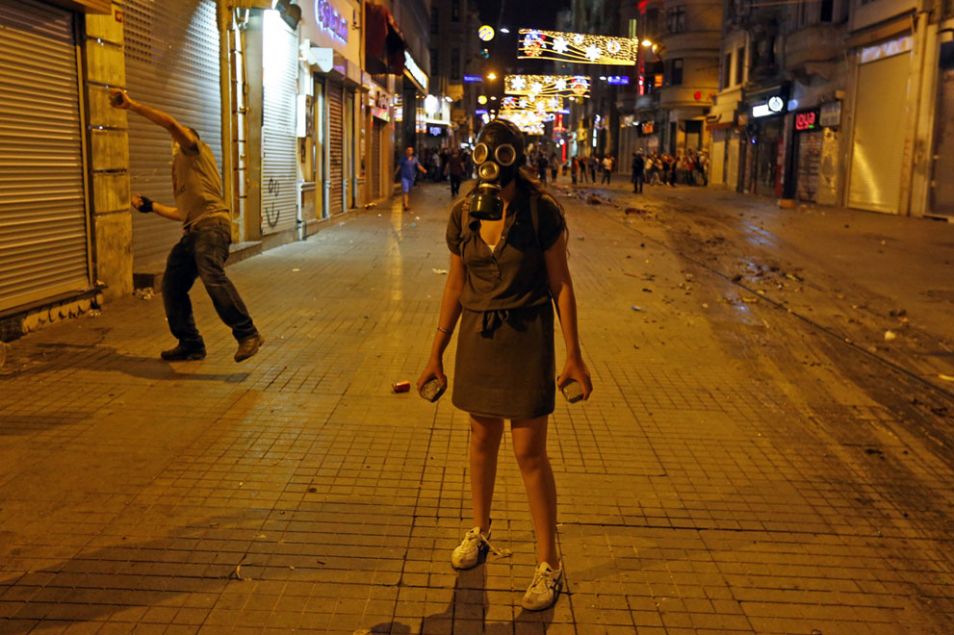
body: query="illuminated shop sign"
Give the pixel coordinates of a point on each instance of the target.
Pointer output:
(330, 20)
(618, 80)
(648, 127)
(774, 106)
(807, 120)
(473, 79)
(415, 71)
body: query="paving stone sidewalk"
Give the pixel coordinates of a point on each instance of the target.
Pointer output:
(733, 471)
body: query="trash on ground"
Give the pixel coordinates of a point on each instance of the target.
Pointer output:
(440, 272)
(890, 336)
(296, 270)
(944, 377)
(145, 294)
(593, 199)
(638, 309)
(750, 299)
(401, 386)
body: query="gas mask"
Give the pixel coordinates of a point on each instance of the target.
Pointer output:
(498, 155)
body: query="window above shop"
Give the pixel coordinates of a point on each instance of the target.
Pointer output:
(676, 19)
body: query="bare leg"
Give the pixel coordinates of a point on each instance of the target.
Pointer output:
(530, 447)
(485, 434)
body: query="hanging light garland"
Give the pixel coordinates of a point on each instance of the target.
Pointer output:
(546, 85)
(579, 48)
(529, 121)
(536, 104)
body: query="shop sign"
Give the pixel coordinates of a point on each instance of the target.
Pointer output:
(890, 48)
(435, 131)
(473, 79)
(806, 120)
(830, 114)
(648, 127)
(328, 18)
(618, 80)
(415, 71)
(774, 106)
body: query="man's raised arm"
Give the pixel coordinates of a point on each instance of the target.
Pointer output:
(182, 135)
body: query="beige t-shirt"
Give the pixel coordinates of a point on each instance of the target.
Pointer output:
(198, 186)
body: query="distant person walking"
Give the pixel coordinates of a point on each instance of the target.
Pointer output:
(638, 172)
(455, 171)
(608, 164)
(408, 169)
(204, 246)
(594, 163)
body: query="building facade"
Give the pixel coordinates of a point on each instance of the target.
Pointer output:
(299, 103)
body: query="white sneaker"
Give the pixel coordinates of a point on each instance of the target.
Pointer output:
(472, 549)
(544, 589)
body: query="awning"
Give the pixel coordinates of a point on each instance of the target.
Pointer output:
(383, 41)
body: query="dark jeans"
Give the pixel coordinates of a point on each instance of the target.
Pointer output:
(202, 253)
(606, 176)
(455, 185)
(638, 182)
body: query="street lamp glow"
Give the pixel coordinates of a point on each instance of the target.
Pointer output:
(504, 29)
(482, 100)
(485, 33)
(491, 76)
(647, 42)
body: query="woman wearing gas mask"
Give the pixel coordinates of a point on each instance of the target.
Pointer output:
(508, 266)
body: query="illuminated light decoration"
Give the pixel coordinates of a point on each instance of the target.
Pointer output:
(538, 104)
(547, 85)
(482, 99)
(485, 33)
(578, 48)
(807, 120)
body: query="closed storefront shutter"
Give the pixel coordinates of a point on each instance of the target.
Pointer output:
(172, 63)
(879, 135)
(336, 144)
(809, 161)
(376, 168)
(43, 223)
(279, 112)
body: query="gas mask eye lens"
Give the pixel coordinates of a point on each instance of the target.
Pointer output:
(481, 153)
(488, 171)
(505, 155)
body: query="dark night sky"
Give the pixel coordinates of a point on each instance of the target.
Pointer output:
(521, 13)
(517, 14)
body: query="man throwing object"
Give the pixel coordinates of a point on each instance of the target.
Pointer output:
(204, 247)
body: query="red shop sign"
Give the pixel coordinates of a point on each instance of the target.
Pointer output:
(806, 120)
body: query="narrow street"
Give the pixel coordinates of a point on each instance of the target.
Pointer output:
(759, 455)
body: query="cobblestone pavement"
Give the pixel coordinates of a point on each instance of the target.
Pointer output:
(739, 468)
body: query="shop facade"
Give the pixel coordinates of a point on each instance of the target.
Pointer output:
(47, 208)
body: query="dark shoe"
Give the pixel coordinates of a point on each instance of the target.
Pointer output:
(248, 347)
(183, 354)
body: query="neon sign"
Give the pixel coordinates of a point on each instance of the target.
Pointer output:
(807, 120)
(330, 20)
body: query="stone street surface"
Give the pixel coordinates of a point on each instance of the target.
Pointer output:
(769, 447)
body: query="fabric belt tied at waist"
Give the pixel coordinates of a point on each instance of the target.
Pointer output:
(493, 319)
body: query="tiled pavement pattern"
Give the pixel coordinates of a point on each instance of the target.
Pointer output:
(731, 473)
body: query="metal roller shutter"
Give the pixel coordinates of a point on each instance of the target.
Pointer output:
(875, 182)
(172, 63)
(43, 221)
(279, 159)
(336, 144)
(375, 176)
